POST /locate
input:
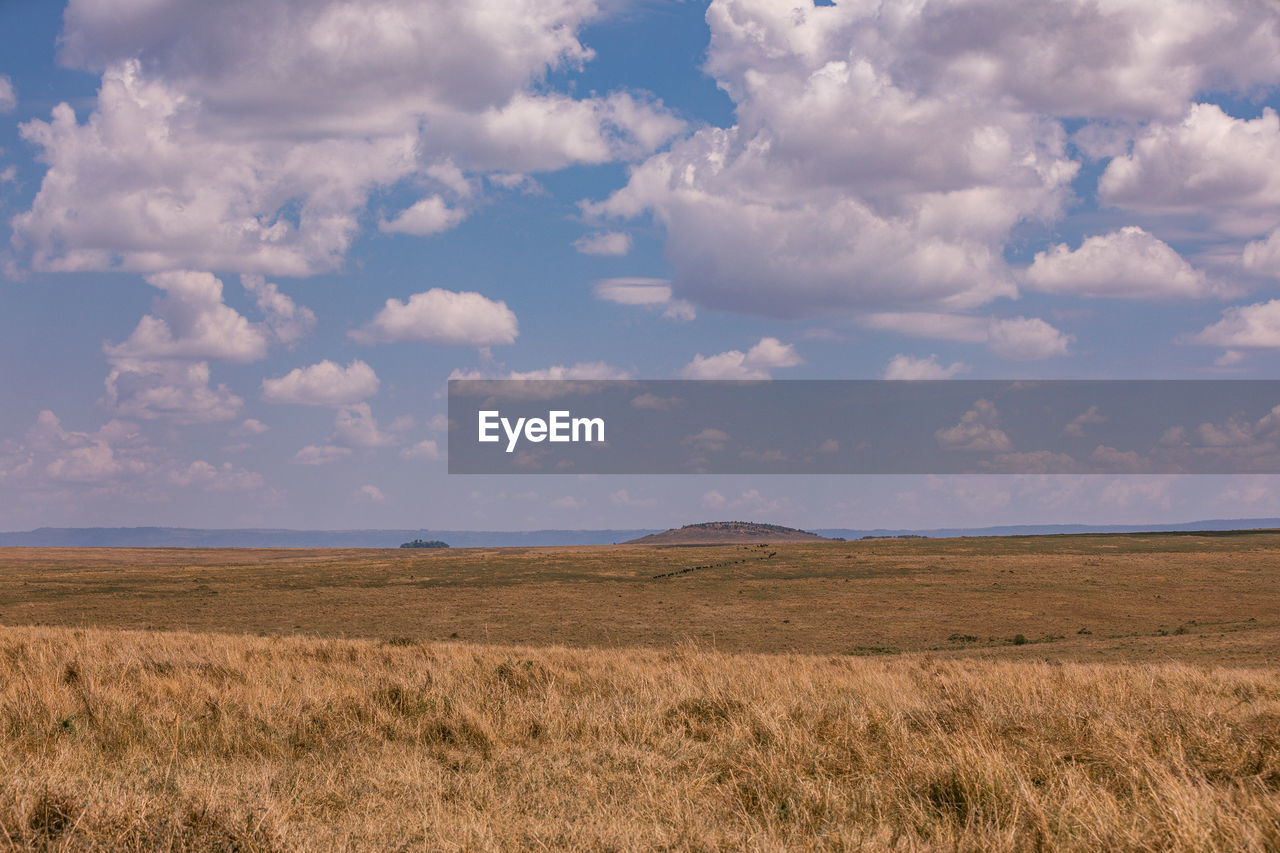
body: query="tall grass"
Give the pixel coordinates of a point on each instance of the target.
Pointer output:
(159, 741)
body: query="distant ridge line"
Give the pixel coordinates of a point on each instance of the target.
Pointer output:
(191, 537)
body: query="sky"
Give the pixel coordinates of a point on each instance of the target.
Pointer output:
(248, 243)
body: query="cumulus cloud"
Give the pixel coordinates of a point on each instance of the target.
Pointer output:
(8, 98)
(654, 293)
(442, 317)
(906, 367)
(431, 215)
(249, 136)
(1262, 257)
(321, 454)
(538, 133)
(370, 494)
(614, 243)
(323, 384)
(582, 370)
(210, 478)
(118, 459)
(1209, 162)
(91, 464)
(977, 431)
(755, 363)
(162, 371)
(884, 160)
(426, 450)
(355, 425)
(1016, 338)
(622, 497)
(250, 426)
(1075, 427)
(1125, 264)
(191, 321)
(178, 391)
(708, 440)
(287, 321)
(1254, 326)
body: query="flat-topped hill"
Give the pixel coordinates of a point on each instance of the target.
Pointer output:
(727, 532)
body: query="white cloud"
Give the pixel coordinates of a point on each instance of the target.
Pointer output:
(906, 367)
(1026, 339)
(118, 460)
(250, 426)
(426, 450)
(851, 177)
(1229, 358)
(1125, 264)
(883, 159)
(442, 317)
(209, 478)
(355, 425)
(1016, 338)
(614, 243)
(623, 498)
(1254, 326)
(8, 98)
(654, 403)
(645, 292)
(634, 291)
(1209, 162)
(755, 363)
(323, 384)
(1077, 424)
(191, 321)
(161, 369)
(431, 215)
(708, 440)
(538, 133)
(977, 431)
(321, 455)
(89, 464)
(370, 494)
(174, 390)
(288, 321)
(114, 452)
(249, 136)
(581, 370)
(150, 183)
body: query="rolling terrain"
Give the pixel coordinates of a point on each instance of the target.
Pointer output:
(1212, 598)
(1069, 693)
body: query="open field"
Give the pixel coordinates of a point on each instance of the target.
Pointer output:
(153, 740)
(1211, 598)
(1056, 693)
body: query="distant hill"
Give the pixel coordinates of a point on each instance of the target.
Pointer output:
(726, 532)
(188, 537)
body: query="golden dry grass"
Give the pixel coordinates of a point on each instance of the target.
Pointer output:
(158, 741)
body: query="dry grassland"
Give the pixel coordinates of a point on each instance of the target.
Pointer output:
(149, 740)
(1065, 693)
(1207, 598)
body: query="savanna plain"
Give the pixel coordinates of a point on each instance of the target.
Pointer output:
(1115, 692)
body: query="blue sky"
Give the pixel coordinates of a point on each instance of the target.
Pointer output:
(248, 242)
